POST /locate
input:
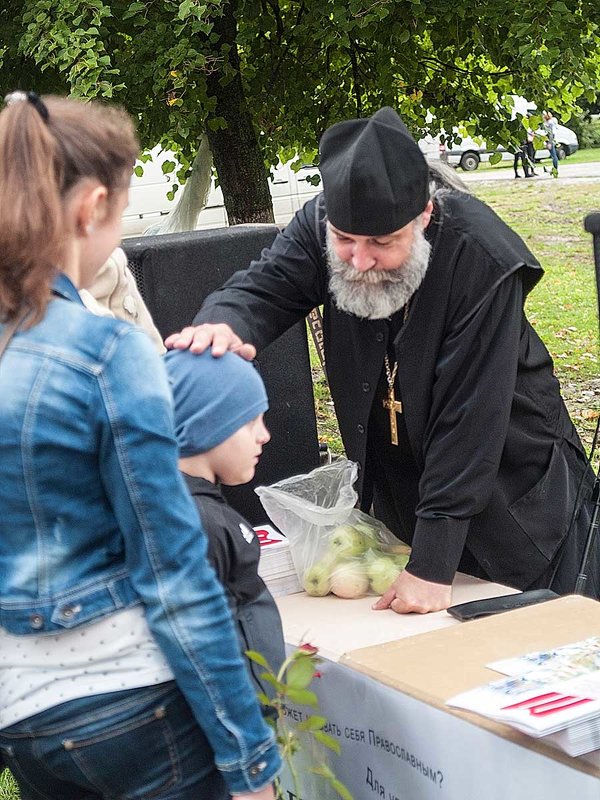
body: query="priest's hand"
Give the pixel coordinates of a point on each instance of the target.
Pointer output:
(409, 594)
(218, 336)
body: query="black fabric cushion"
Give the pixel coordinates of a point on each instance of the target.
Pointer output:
(175, 272)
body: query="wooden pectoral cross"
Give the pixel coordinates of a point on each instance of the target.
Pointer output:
(394, 407)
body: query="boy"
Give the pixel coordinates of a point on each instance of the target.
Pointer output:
(219, 406)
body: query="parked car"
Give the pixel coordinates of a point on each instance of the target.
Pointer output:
(148, 200)
(470, 153)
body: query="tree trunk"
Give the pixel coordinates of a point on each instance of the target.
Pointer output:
(235, 150)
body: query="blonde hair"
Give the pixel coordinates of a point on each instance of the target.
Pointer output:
(40, 161)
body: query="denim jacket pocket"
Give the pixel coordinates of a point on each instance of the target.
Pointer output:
(70, 610)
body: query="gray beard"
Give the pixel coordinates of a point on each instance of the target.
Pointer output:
(378, 294)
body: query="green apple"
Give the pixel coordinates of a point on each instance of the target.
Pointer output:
(369, 534)
(349, 580)
(346, 541)
(316, 579)
(401, 560)
(382, 572)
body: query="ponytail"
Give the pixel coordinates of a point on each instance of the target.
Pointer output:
(46, 147)
(30, 210)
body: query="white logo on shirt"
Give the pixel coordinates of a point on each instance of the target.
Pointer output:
(246, 532)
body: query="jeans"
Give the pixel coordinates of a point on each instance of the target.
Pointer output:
(138, 743)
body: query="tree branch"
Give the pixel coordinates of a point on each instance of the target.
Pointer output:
(274, 5)
(356, 79)
(462, 70)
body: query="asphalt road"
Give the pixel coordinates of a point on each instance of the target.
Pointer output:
(566, 172)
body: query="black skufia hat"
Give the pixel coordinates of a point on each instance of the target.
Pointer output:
(375, 178)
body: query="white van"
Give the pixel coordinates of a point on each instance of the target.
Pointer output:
(148, 201)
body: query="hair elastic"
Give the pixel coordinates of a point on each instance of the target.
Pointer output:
(28, 97)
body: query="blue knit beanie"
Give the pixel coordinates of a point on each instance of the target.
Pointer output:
(213, 397)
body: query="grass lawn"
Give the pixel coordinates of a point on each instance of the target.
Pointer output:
(584, 156)
(8, 788)
(549, 216)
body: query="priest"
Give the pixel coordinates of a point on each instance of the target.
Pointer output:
(444, 393)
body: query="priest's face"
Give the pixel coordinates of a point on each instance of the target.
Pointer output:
(374, 276)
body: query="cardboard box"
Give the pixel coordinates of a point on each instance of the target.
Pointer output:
(434, 666)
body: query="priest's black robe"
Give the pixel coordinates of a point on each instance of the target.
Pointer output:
(491, 464)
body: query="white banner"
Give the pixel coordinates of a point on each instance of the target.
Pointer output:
(398, 748)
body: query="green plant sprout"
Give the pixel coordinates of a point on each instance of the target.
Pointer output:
(291, 685)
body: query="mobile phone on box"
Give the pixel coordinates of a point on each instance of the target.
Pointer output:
(496, 605)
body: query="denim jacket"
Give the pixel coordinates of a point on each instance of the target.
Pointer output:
(95, 517)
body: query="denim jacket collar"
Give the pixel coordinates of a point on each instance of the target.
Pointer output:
(65, 288)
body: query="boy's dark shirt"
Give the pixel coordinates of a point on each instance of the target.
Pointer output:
(234, 551)
(233, 547)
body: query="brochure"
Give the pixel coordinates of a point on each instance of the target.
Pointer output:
(554, 693)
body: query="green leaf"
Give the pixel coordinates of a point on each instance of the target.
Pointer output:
(341, 789)
(495, 158)
(323, 771)
(168, 167)
(279, 687)
(139, 170)
(134, 8)
(328, 741)
(301, 696)
(257, 658)
(300, 673)
(312, 723)
(184, 9)
(216, 123)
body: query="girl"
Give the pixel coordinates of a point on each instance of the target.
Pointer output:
(120, 673)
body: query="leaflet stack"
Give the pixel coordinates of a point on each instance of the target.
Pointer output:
(275, 566)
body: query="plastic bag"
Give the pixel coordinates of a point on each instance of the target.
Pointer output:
(335, 547)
